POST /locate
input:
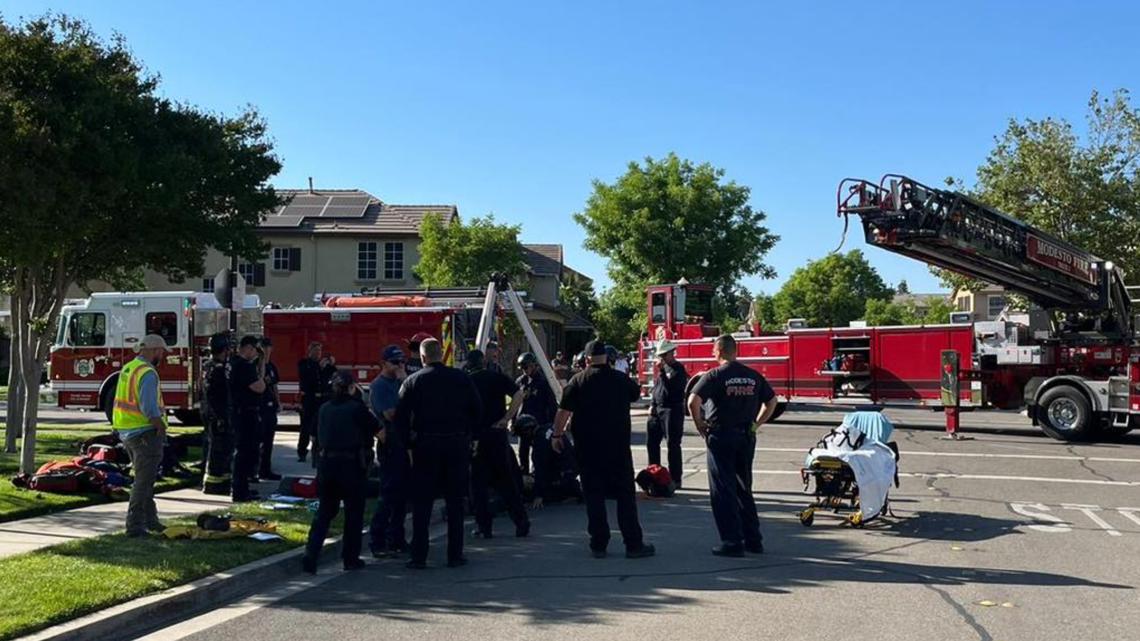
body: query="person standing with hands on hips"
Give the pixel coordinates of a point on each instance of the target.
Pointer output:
(736, 400)
(667, 410)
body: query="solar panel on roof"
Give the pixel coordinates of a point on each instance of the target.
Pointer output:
(295, 210)
(283, 221)
(310, 200)
(349, 201)
(344, 212)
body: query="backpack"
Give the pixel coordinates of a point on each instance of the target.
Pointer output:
(302, 486)
(656, 481)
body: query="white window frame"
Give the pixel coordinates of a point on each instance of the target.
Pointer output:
(393, 267)
(367, 259)
(990, 313)
(247, 271)
(281, 261)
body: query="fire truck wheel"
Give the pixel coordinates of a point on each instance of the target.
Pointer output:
(107, 401)
(188, 417)
(1065, 413)
(780, 408)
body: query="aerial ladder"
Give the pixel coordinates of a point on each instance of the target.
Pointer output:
(1092, 330)
(500, 285)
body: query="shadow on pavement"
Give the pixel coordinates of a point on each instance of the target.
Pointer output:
(550, 579)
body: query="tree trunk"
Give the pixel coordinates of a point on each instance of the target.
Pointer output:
(41, 292)
(16, 391)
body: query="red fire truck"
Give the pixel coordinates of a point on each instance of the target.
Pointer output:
(97, 336)
(1075, 366)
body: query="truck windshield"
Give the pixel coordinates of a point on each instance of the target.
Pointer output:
(699, 303)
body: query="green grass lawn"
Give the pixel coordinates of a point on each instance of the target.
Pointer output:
(72, 579)
(54, 442)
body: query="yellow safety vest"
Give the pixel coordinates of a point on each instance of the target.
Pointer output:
(127, 415)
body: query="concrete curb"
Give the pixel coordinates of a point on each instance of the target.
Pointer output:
(155, 611)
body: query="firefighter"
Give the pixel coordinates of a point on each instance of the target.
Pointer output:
(555, 473)
(246, 387)
(270, 405)
(598, 400)
(538, 401)
(345, 429)
(139, 419)
(414, 364)
(728, 404)
(386, 533)
(313, 374)
(667, 410)
(219, 459)
(491, 358)
(437, 410)
(493, 466)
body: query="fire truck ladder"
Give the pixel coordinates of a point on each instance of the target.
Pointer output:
(500, 284)
(952, 231)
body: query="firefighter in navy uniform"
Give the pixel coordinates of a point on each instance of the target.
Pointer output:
(728, 404)
(667, 410)
(215, 410)
(493, 466)
(414, 364)
(437, 411)
(246, 387)
(270, 405)
(538, 401)
(314, 373)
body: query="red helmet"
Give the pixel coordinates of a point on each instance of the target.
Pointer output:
(419, 338)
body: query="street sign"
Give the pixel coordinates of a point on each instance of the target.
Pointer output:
(239, 293)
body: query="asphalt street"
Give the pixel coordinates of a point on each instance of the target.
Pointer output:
(1010, 535)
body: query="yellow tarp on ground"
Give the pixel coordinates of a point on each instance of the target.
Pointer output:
(238, 528)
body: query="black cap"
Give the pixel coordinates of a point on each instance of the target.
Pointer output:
(594, 348)
(265, 342)
(475, 359)
(343, 377)
(219, 342)
(248, 340)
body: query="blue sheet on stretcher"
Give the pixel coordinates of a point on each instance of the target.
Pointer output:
(873, 425)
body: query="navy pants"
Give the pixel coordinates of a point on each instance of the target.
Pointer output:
(493, 469)
(616, 482)
(439, 466)
(339, 480)
(669, 425)
(386, 531)
(265, 449)
(247, 441)
(730, 454)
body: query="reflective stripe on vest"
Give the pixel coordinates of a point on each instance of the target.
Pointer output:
(127, 414)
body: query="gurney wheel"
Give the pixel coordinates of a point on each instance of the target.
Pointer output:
(807, 517)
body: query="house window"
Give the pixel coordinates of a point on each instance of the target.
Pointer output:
(87, 329)
(208, 285)
(253, 273)
(366, 261)
(393, 261)
(996, 304)
(286, 259)
(964, 304)
(165, 324)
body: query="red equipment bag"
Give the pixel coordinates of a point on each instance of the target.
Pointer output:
(302, 486)
(656, 481)
(110, 453)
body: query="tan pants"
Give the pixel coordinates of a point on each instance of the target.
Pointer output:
(146, 455)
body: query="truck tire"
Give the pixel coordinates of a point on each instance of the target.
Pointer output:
(781, 407)
(107, 399)
(188, 417)
(1065, 413)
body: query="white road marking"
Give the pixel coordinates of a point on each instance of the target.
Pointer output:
(1040, 512)
(1090, 511)
(951, 475)
(1130, 513)
(982, 455)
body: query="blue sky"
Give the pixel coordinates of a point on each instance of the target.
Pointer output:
(513, 108)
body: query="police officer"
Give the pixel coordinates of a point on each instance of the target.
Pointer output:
(735, 400)
(246, 387)
(216, 411)
(667, 409)
(386, 533)
(493, 464)
(538, 401)
(598, 399)
(314, 373)
(437, 411)
(345, 429)
(270, 405)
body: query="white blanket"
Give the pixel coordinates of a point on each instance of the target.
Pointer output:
(873, 464)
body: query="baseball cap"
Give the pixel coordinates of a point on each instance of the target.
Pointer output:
(151, 341)
(248, 340)
(595, 348)
(219, 342)
(393, 354)
(343, 377)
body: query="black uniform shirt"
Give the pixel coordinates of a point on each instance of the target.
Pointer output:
(309, 378)
(217, 390)
(242, 374)
(494, 389)
(732, 395)
(438, 401)
(272, 378)
(538, 399)
(600, 397)
(346, 425)
(669, 386)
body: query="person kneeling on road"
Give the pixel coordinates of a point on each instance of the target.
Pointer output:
(598, 400)
(728, 404)
(345, 429)
(555, 473)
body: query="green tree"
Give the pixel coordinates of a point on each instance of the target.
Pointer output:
(102, 177)
(621, 318)
(577, 294)
(458, 254)
(667, 219)
(880, 312)
(903, 287)
(831, 291)
(764, 312)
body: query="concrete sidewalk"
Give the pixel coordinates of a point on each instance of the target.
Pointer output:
(26, 535)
